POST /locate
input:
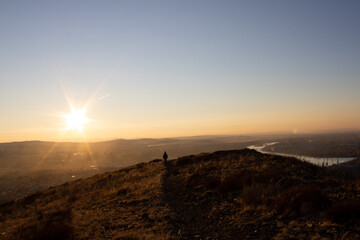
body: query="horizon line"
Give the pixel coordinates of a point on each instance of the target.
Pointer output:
(327, 131)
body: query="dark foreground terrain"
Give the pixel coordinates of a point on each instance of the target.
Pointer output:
(239, 194)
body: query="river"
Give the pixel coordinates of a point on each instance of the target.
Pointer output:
(313, 160)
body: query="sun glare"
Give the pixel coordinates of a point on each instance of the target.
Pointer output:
(76, 120)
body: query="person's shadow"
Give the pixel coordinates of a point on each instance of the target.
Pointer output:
(179, 221)
(172, 220)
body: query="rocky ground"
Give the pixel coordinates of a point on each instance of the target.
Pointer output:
(238, 194)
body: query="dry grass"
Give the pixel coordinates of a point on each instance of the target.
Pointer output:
(224, 195)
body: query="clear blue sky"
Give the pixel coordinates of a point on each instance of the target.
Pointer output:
(172, 68)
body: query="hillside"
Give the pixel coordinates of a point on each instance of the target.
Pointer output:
(27, 167)
(239, 194)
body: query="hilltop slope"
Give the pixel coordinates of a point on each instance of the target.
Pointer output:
(238, 194)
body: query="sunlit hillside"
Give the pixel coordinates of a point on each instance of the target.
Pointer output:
(223, 195)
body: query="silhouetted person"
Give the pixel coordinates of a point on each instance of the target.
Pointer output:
(165, 156)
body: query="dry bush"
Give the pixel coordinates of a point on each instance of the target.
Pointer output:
(268, 175)
(230, 183)
(235, 182)
(211, 182)
(342, 173)
(140, 235)
(55, 231)
(174, 171)
(54, 226)
(156, 160)
(122, 191)
(301, 200)
(29, 199)
(195, 180)
(73, 197)
(350, 236)
(351, 185)
(344, 211)
(62, 215)
(184, 160)
(256, 194)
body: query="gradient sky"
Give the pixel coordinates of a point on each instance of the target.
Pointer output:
(178, 68)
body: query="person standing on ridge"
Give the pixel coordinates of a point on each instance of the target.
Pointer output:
(165, 156)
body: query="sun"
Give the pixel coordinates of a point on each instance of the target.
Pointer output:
(76, 119)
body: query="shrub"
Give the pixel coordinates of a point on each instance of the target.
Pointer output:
(29, 199)
(63, 215)
(55, 231)
(344, 211)
(235, 182)
(350, 236)
(72, 197)
(251, 195)
(175, 171)
(185, 160)
(211, 182)
(255, 194)
(194, 180)
(122, 191)
(230, 183)
(156, 160)
(301, 200)
(268, 175)
(344, 172)
(55, 226)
